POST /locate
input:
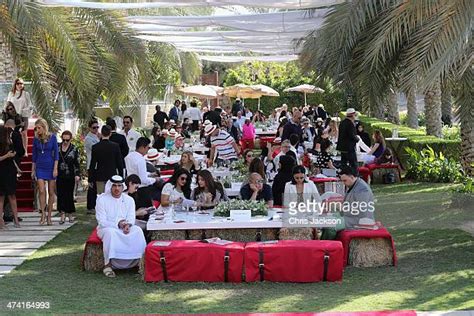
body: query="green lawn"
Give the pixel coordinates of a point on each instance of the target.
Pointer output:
(435, 272)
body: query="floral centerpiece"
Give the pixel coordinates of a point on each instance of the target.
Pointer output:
(257, 207)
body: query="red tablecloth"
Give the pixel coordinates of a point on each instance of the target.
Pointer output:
(345, 236)
(323, 180)
(94, 238)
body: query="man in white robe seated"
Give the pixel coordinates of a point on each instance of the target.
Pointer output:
(123, 242)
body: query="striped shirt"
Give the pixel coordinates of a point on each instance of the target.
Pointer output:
(224, 145)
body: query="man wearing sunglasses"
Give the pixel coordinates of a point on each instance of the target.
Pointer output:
(130, 134)
(91, 139)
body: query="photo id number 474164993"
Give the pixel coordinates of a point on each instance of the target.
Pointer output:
(28, 305)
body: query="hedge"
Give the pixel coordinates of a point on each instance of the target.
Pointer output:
(417, 139)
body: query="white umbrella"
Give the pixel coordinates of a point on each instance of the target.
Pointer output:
(219, 90)
(265, 91)
(199, 91)
(305, 88)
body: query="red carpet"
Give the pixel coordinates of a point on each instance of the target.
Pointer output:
(24, 189)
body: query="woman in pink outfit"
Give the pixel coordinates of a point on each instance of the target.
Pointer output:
(248, 135)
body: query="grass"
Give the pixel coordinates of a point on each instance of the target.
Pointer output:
(435, 272)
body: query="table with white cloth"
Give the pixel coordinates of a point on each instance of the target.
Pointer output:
(200, 225)
(173, 159)
(268, 132)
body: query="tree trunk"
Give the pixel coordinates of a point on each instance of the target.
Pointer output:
(446, 105)
(433, 110)
(392, 102)
(8, 70)
(467, 142)
(412, 110)
(377, 109)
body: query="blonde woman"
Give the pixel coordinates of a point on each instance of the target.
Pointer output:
(21, 100)
(45, 167)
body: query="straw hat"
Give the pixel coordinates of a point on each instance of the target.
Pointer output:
(164, 132)
(172, 132)
(152, 154)
(209, 129)
(277, 140)
(350, 111)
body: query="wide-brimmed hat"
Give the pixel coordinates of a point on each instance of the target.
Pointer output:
(172, 132)
(180, 136)
(152, 154)
(164, 132)
(350, 111)
(319, 119)
(277, 140)
(304, 120)
(209, 129)
(207, 122)
(172, 122)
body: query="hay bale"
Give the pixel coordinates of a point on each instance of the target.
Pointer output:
(141, 267)
(167, 235)
(370, 252)
(378, 174)
(303, 233)
(93, 259)
(244, 234)
(196, 234)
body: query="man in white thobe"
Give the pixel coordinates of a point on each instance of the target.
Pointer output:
(123, 242)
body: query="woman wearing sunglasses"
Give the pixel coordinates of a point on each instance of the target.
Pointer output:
(68, 174)
(177, 191)
(299, 189)
(21, 100)
(10, 113)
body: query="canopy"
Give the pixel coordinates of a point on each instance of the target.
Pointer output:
(277, 4)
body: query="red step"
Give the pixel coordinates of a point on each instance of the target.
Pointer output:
(25, 193)
(26, 166)
(30, 132)
(25, 202)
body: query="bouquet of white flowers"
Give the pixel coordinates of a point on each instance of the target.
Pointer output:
(257, 207)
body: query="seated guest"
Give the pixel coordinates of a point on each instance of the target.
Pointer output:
(377, 148)
(258, 117)
(136, 163)
(248, 156)
(177, 191)
(257, 190)
(284, 175)
(159, 137)
(359, 198)
(209, 192)
(232, 129)
(333, 131)
(143, 202)
(296, 147)
(257, 166)
(281, 127)
(123, 242)
(299, 189)
(188, 162)
(266, 156)
(363, 134)
(284, 148)
(320, 150)
(309, 133)
(386, 158)
(151, 162)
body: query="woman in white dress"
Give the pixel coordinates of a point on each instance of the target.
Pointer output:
(21, 99)
(300, 190)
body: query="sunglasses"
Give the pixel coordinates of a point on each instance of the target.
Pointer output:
(299, 178)
(126, 123)
(10, 109)
(95, 127)
(183, 178)
(19, 83)
(249, 156)
(66, 140)
(259, 182)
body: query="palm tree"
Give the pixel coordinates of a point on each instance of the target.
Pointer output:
(82, 53)
(412, 110)
(376, 44)
(433, 110)
(446, 104)
(8, 70)
(393, 113)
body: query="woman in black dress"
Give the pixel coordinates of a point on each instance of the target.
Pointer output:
(8, 173)
(68, 175)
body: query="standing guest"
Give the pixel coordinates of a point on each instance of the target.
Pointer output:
(377, 148)
(293, 126)
(194, 114)
(281, 127)
(321, 112)
(45, 167)
(8, 173)
(184, 107)
(299, 189)
(209, 192)
(257, 190)
(123, 242)
(237, 106)
(117, 138)
(160, 117)
(205, 113)
(106, 160)
(68, 175)
(266, 156)
(90, 140)
(283, 112)
(215, 116)
(175, 111)
(222, 144)
(130, 134)
(22, 102)
(347, 140)
(359, 197)
(248, 135)
(232, 129)
(188, 162)
(319, 126)
(10, 113)
(177, 191)
(363, 134)
(285, 174)
(240, 121)
(16, 139)
(159, 137)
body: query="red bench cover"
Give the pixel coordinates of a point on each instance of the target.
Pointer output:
(365, 173)
(168, 172)
(345, 236)
(374, 166)
(194, 261)
(94, 238)
(294, 261)
(322, 180)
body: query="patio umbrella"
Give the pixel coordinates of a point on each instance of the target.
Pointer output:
(219, 90)
(199, 91)
(305, 88)
(242, 91)
(265, 91)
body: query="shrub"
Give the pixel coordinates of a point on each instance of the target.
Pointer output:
(430, 166)
(78, 142)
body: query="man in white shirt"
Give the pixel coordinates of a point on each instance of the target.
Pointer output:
(130, 134)
(240, 121)
(91, 139)
(194, 114)
(136, 164)
(123, 242)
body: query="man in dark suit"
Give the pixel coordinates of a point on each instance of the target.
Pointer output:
(215, 116)
(106, 160)
(117, 138)
(175, 111)
(160, 117)
(293, 126)
(347, 140)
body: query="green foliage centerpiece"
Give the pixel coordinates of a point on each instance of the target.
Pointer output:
(257, 207)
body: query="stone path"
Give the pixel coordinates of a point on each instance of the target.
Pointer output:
(16, 244)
